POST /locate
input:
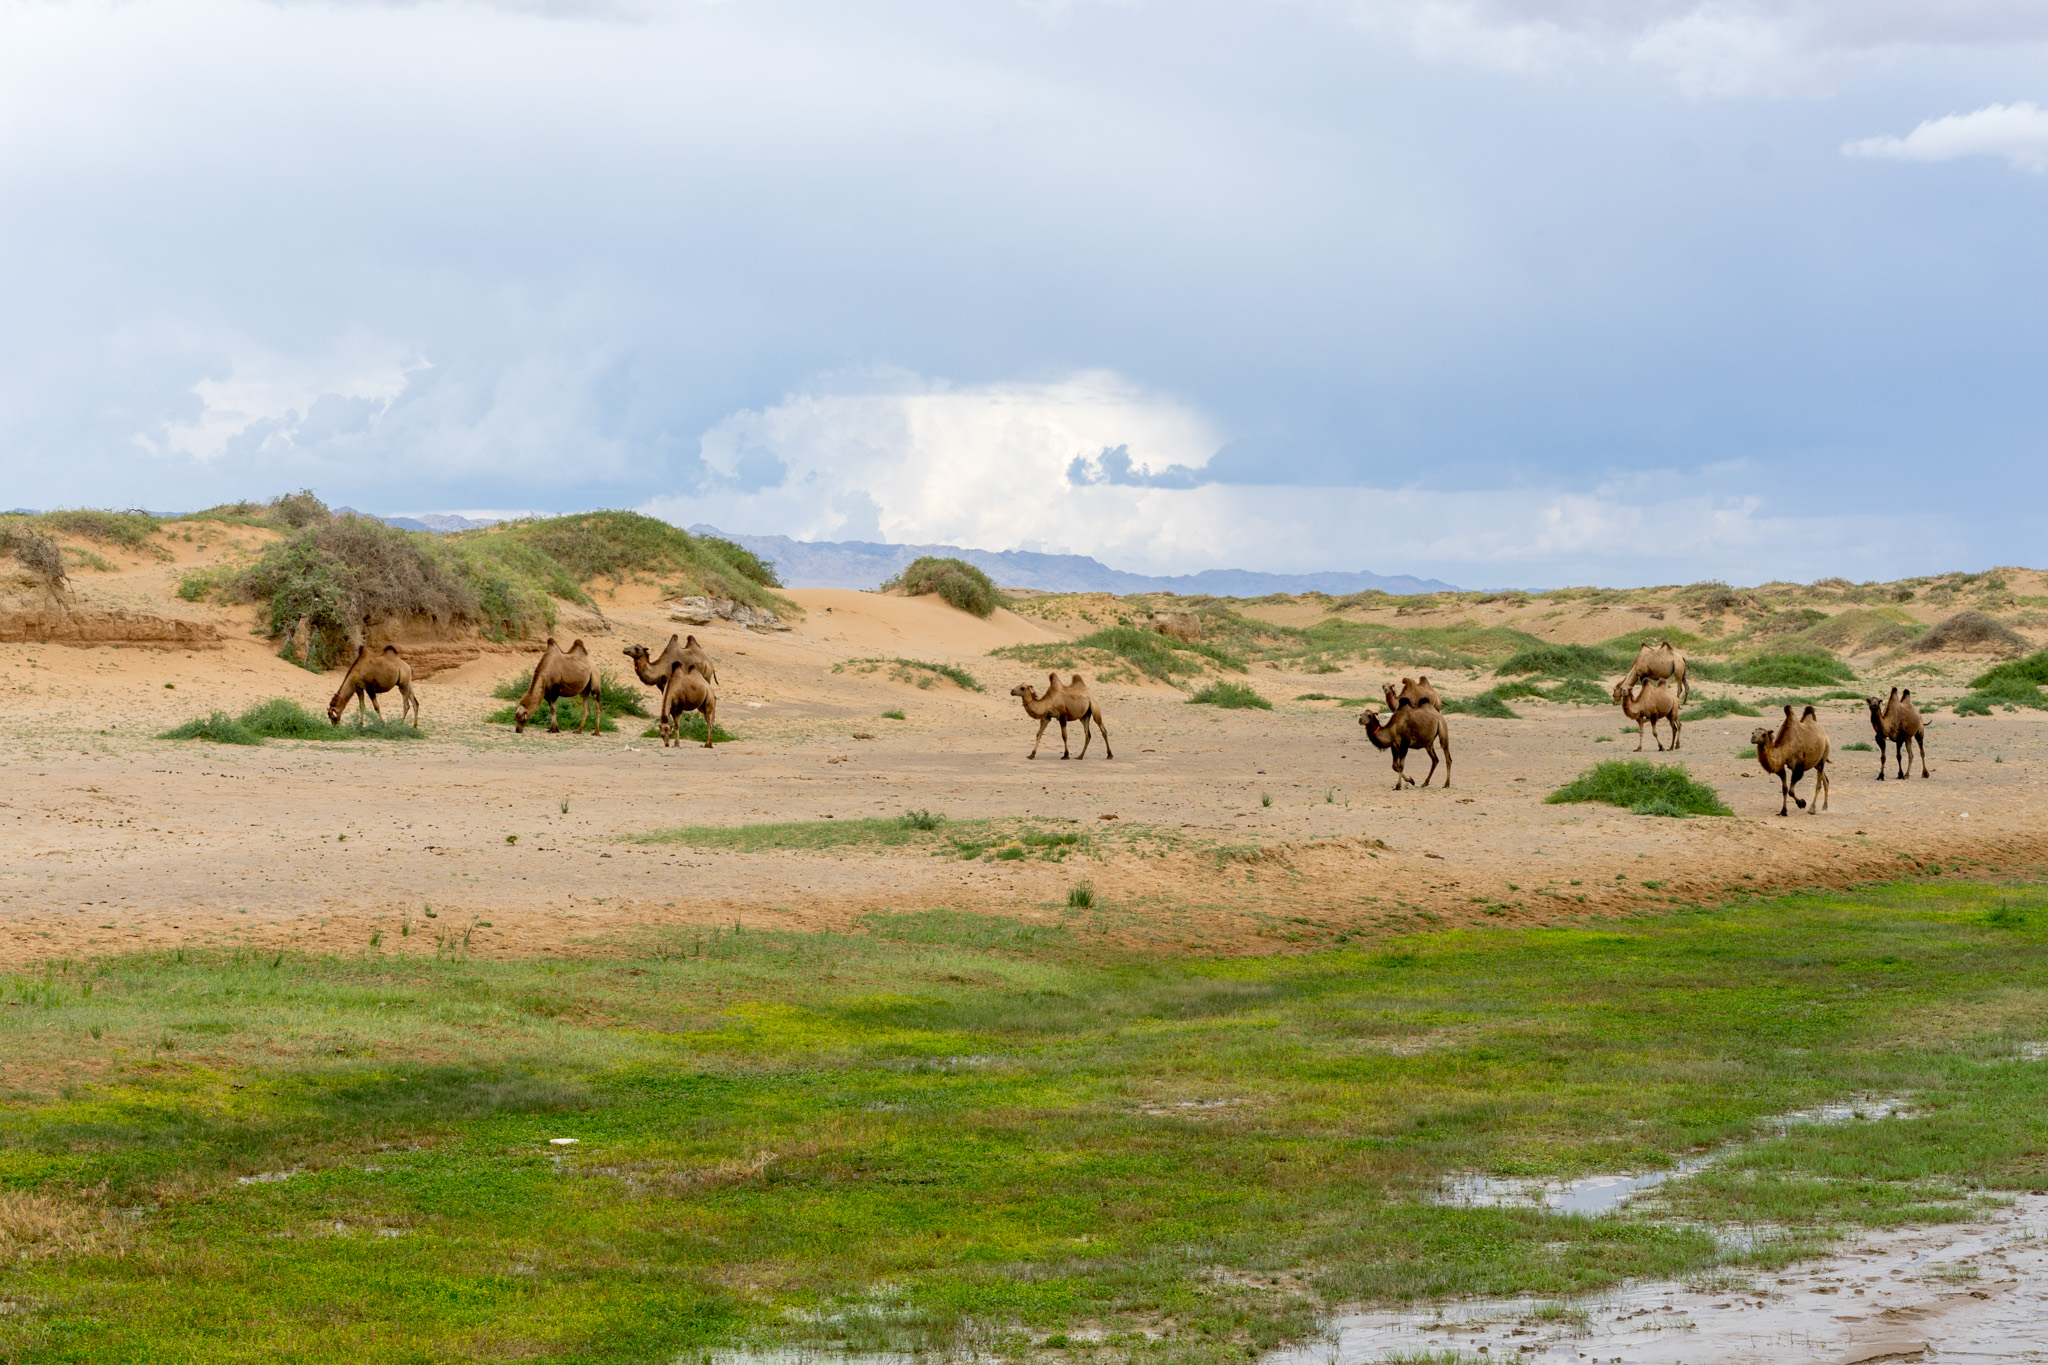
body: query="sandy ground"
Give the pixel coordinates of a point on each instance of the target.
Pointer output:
(121, 841)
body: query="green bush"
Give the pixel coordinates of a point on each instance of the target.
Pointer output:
(954, 580)
(1624, 647)
(1230, 695)
(1487, 705)
(218, 728)
(1147, 651)
(922, 819)
(1562, 661)
(1976, 704)
(130, 530)
(2031, 671)
(620, 698)
(335, 573)
(1578, 692)
(1790, 670)
(1643, 788)
(751, 565)
(1713, 708)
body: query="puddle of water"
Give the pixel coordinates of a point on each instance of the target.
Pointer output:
(1973, 1292)
(1596, 1194)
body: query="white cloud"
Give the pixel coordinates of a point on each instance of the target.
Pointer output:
(1709, 47)
(2016, 131)
(993, 467)
(275, 402)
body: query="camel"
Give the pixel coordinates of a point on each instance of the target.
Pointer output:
(1416, 692)
(687, 690)
(1063, 702)
(1798, 745)
(384, 671)
(1656, 701)
(1896, 719)
(560, 674)
(1411, 727)
(678, 653)
(1662, 662)
(1179, 625)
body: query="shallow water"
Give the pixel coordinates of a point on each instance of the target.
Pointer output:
(1967, 1292)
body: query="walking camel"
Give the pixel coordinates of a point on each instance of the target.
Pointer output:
(1798, 746)
(687, 690)
(1063, 702)
(370, 674)
(1411, 727)
(1656, 701)
(1897, 720)
(1660, 660)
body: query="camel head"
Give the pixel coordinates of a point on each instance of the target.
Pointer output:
(1760, 735)
(637, 653)
(1375, 731)
(1026, 691)
(1878, 708)
(1621, 693)
(334, 710)
(520, 715)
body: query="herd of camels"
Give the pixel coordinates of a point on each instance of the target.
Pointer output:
(1653, 691)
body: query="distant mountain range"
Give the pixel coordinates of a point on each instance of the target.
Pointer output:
(438, 522)
(865, 564)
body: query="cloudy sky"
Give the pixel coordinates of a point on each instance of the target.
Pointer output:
(1508, 292)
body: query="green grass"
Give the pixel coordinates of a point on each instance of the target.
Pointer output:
(621, 696)
(894, 715)
(1143, 651)
(945, 1130)
(1714, 708)
(1487, 705)
(690, 727)
(922, 673)
(2031, 671)
(1861, 746)
(1785, 670)
(1643, 788)
(569, 711)
(1231, 696)
(960, 838)
(284, 718)
(1564, 661)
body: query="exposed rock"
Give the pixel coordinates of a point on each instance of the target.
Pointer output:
(702, 611)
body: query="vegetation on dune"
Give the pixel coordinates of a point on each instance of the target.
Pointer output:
(1231, 696)
(915, 1125)
(1643, 788)
(1144, 652)
(336, 572)
(284, 718)
(954, 581)
(1714, 708)
(1462, 645)
(134, 532)
(1564, 661)
(34, 550)
(1792, 669)
(1625, 646)
(1972, 631)
(1487, 705)
(917, 671)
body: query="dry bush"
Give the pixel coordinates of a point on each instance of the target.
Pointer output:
(36, 552)
(1972, 632)
(38, 1226)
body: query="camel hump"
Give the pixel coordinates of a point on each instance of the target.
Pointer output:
(391, 649)
(1906, 695)
(577, 648)
(1807, 714)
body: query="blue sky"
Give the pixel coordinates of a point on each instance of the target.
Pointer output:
(1507, 292)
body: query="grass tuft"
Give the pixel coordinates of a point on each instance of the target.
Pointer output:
(284, 718)
(1714, 708)
(1081, 896)
(690, 726)
(921, 819)
(1231, 696)
(1643, 788)
(218, 728)
(954, 581)
(919, 671)
(1487, 705)
(1562, 661)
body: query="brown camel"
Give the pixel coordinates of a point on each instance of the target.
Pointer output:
(560, 674)
(1897, 720)
(687, 690)
(1407, 727)
(1414, 691)
(678, 653)
(1654, 702)
(1657, 659)
(1063, 702)
(1179, 625)
(384, 671)
(1798, 745)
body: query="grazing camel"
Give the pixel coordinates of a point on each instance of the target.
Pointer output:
(1798, 745)
(384, 671)
(1416, 692)
(1896, 719)
(560, 674)
(1660, 661)
(1063, 702)
(687, 690)
(1411, 727)
(1656, 701)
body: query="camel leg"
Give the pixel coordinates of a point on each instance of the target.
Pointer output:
(1797, 800)
(412, 705)
(1905, 766)
(1880, 757)
(1431, 751)
(710, 721)
(1043, 721)
(554, 716)
(1821, 785)
(1784, 791)
(1063, 738)
(375, 703)
(1676, 738)
(1921, 740)
(1105, 732)
(1087, 736)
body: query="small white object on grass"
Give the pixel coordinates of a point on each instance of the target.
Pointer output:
(563, 1142)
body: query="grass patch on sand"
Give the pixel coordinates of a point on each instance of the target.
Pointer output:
(1231, 696)
(917, 671)
(1643, 788)
(284, 718)
(1803, 669)
(620, 697)
(953, 581)
(947, 838)
(1587, 662)
(945, 1132)
(1714, 708)
(1143, 652)
(1486, 705)
(690, 728)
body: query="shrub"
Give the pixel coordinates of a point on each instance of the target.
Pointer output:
(1643, 788)
(1713, 708)
(130, 530)
(1577, 691)
(751, 565)
(620, 698)
(570, 713)
(1790, 670)
(1230, 695)
(34, 551)
(1562, 661)
(1626, 645)
(1487, 705)
(2030, 671)
(1976, 704)
(954, 580)
(1970, 630)
(335, 573)
(1081, 896)
(218, 728)
(922, 819)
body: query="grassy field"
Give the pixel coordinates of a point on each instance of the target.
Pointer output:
(955, 1132)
